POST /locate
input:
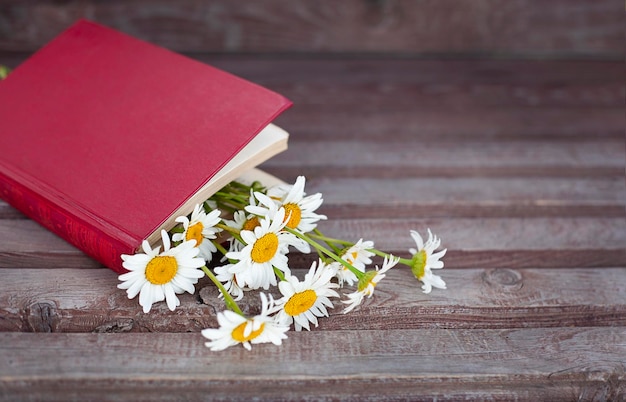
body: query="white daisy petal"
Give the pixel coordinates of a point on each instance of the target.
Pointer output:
(158, 276)
(303, 302)
(201, 228)
(135, 287)
(368, 282)
(170, 298)
(265, 250)
(299, 209)
(235, 329)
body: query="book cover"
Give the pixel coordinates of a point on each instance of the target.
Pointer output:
(103, 136)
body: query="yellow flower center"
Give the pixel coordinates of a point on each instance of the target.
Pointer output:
(300, 302)
(194, 232)
(161, 270)
(418, 264)
(352, 257)
(264, 248)
(294, 213)
(238, 335)
(251, 223)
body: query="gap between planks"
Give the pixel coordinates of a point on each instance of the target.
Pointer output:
(87, 300)
(524, 364)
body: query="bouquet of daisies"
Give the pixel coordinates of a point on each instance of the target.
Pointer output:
(240, 239)
(253, 229)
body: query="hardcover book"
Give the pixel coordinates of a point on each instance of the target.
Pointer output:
(105, 139)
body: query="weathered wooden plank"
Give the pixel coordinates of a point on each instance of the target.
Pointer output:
(382, 99)
(439, 76)
(487, 82)
(421, 157)
(485, 242)
(383, 96)
(559, 364)
(464, 156)
(516, 243)
(366, 197)
(371, 85)
(73, 300)
(379, 99)
(470, 197)
(432, 125)
(519, 27)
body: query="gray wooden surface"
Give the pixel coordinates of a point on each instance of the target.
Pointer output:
(486, 28)
(518, 164)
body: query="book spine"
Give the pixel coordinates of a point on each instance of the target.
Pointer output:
(88, 238)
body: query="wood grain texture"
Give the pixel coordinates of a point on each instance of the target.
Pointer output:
(70, 300)
(324, 84)
(398, 158)
(483, 27)
(319, 80)
(458, 197)
(470, 197)
(379, 99)
(558, 364)
(405, 99)
(517, 165)
(483, 242)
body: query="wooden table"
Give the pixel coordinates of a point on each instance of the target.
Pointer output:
(517, 165)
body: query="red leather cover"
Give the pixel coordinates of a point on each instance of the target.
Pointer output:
(103, 136)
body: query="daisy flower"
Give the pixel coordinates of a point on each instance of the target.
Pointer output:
(300, 209)
(229, 281)
(303, 302)
(201, 228)
(243, 221)
(266, 247)
(159, 276)
(368, 283)
(358, 256)
(235, 328)
(424, 260)
(268, 207)
(278, 192)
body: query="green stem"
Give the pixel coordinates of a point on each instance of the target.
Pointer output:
(405, 261)
(279, 274)
(330, 243)
(232, 197)
(256, 186)
(233, 203)
(220, 248)
(234, 232)
(224, 207)
(327, 239)
(228, 299)
(327, 252)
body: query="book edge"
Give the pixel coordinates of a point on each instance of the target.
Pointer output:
(95, 237)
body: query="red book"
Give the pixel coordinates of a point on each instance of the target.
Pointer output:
(106, 139)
